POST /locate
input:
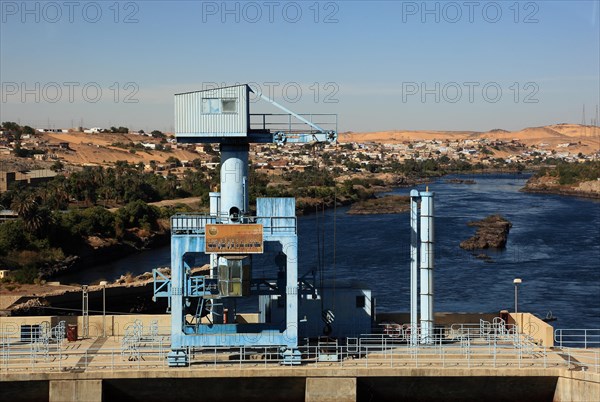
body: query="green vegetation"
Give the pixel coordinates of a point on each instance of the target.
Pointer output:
(318, 184)
(122, 130)
(430, 167)
(27, 248)
(158, 134)
(137, 214)
(572, 173)
(57, 218)
(113, 186)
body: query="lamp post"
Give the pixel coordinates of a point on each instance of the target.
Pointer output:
(103, 284)
(517, 282)
(85, 313)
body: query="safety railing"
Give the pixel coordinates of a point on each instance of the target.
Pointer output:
(195, 224)
(287, 123)
(582, 338)
(191, 224)
(152, 354)
(145, 347)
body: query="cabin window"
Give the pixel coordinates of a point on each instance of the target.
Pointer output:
(211, 106)
(360, 301)
(218, 106)
(228, 105)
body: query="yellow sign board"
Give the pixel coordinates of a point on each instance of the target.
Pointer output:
(234, 239)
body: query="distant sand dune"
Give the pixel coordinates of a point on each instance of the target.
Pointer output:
(551, 135)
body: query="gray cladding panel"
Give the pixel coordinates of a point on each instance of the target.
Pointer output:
(203, 114)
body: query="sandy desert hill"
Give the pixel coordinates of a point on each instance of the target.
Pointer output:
(396, 136)
(97, 149)
(552, 135)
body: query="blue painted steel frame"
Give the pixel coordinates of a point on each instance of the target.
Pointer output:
(187, 236)
(284, 334)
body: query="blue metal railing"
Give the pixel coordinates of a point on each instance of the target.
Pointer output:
(195, 224)
(585, 338)
(288, 124)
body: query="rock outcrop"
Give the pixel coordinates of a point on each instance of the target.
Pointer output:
(550, 185)
(492, 232)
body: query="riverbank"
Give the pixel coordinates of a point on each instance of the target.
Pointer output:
(98, 251)
(389, 204)
(127, 294)
(551, 185)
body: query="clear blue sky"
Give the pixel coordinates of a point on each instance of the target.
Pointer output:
(382, 63)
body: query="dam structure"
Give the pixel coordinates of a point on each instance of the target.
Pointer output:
(255, 328)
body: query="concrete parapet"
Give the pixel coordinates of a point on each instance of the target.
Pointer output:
(330, 389)
(76, 391)
(577, 386)
(540, 331)
(115, 324)
(309, 384)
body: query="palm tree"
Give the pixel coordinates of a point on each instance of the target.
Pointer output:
(23, 203)
(35, 218)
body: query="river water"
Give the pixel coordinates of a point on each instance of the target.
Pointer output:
(553, 246)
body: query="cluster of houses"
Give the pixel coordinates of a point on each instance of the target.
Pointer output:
(484, 151)
(355, 156)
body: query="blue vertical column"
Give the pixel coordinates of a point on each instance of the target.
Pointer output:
(290, 247)
(177, 356)
(427, 236)
(414, 266)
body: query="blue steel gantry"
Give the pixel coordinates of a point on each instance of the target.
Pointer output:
(203, 307)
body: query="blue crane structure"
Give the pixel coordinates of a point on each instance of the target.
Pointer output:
(204, 307)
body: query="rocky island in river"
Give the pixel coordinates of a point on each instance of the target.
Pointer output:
(492, 232)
